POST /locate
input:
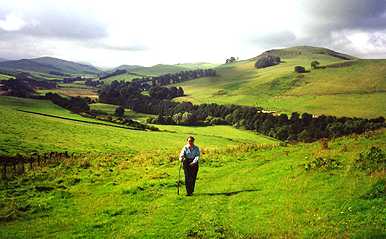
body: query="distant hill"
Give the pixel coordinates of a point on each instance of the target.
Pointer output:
(48, 65)
(156, 70)
(126, 67)
(343, 85)
(294, 52)
(198, 65)
(3, 59)
(160, 69)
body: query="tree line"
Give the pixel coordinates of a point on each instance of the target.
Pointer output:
(296, 127)
(24, 85)
(145, 83)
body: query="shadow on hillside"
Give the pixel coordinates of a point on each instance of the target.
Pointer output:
(227, 193)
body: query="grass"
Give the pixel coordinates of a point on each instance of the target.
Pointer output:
(240, 193)
(110, 109)
(122, 183)
(5, 77)
(23, 133)
(159, 69)
(73, 90)
(121, 77)
(355, 90)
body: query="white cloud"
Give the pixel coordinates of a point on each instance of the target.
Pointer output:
(150, 31)
(12, 23)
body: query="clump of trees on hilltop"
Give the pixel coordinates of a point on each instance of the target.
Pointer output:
(230, 60)
(304, 127)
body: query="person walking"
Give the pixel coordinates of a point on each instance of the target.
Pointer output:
(189, 156)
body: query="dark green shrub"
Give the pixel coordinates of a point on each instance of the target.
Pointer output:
(376, 191)
(299, 69)
(120, 111)
(371, 160)
(323, 164)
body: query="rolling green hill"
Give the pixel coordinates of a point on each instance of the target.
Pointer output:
(5, 77)
(25, 132)
(160, 69)
(121, 183)
(198, 65)
(123, 77)
(126, 67)
(242, 191)
(156, 70)
(355, 88)
(48, 65)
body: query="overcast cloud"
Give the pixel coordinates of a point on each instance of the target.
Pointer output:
(110, 33)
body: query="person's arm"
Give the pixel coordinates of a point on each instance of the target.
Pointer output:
(195, 160)
(182, 154)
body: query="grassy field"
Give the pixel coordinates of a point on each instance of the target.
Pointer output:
(73, 90)
(354, 90)
(122, 183)
(23, 132)
(5, 77)
(240, 193)
(122, 77)
(110, 109)
(158, 70)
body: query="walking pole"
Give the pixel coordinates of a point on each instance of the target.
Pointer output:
(178, 182)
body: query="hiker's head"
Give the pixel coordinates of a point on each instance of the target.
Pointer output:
(190, 140)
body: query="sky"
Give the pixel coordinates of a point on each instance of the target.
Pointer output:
(148, 32)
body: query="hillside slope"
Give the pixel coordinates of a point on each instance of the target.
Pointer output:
(48, 65)
(156, 70)
(346, 87)
(242, 191)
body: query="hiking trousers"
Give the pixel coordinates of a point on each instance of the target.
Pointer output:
(190, 176)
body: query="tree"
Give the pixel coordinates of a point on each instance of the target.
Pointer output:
(299, 69)
(315, 64)
(119, 111)
(230, 60)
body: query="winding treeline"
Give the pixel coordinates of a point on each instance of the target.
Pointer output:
(145, 83)
(304, 127)
(74, 104)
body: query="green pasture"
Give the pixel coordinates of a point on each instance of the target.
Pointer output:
(110, 109)
(5, 77)
(240, 193)
(24, 132)
(360, 86)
